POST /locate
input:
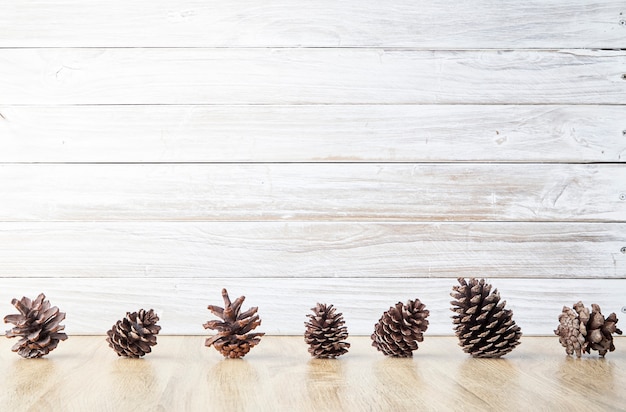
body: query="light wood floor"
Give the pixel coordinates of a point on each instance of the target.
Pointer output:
(83, 374)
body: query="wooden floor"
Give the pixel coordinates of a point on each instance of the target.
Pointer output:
(83, 374)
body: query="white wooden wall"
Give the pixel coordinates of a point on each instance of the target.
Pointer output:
(296, 151)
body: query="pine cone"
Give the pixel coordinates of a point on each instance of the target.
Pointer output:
(233, 339)
(400, 328)
(572, 331)
(134, 335)
(39, 326)
(581, 331)
(325, 331)
(484, 328)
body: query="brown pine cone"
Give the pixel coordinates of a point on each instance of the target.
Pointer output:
(581, 331)
(325, 332)
(400, 328)
(233, 339)
(38, 325)
(484, 328)
(134, 335)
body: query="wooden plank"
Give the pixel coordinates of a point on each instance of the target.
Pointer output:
(310, 250)
(324, 23)
(320, 133)
(93, 304)
(324, 191)
(310, 76)
(83, 373)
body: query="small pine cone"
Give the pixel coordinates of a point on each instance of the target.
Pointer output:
(581, 331)
(400, 328)
(134, 335)
(233, 339)
(38, 325)
(484, 328)
(325, 332)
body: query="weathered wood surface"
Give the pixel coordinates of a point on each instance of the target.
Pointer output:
(373, 192)
(308, 250)
(324, 23)
(309, 76)
(94, 304)
(281, 122)
(318, 133)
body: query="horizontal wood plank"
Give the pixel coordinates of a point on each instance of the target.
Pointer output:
(310, 76)
(324, 23)
(322, 191)
(309, 250)
(94, 304)
(319, 133)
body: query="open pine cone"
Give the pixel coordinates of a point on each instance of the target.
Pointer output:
(400, 328)
(581, 331)
(38, 325)
(233, 339)
(325, 332)
(484, 328)
(134, 335)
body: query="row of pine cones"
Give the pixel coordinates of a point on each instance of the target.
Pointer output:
(484, 327)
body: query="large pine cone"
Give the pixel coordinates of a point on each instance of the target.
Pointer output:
(484, 328)
(38, 324)
(581, 331)
(233, 339)
(134, 335)
(400, 328)
(325, 332)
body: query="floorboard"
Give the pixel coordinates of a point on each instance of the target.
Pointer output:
(83, 374)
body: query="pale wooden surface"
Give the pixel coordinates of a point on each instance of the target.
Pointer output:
(311, 250)
(93, 304)
(317, 133)
(279, 375)
(323, 23)
(328, 192)
(309, 76)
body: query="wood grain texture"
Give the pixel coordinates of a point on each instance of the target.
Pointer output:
(363, 153)
(319, 133)
(310, 76)
(83, 373)
(94, 304)
(373, 192)
(309, 250)
(248, 23)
